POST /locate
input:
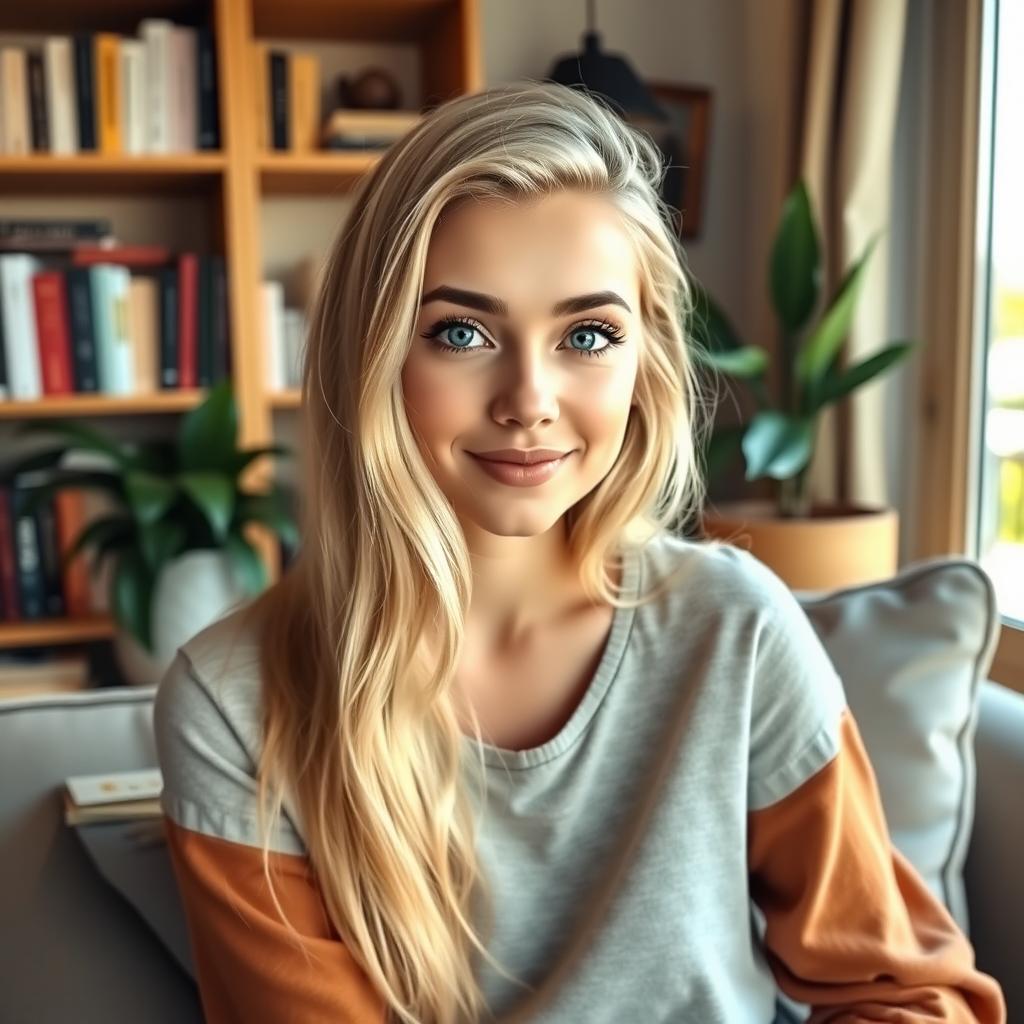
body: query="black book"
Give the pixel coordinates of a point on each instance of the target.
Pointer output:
(206, 68)
(279, 99)
(221, 343)
(168, 282)
(84, 91)
(3, 357)
(49, 557)
(28, 559)
(37, 103)
(204, 362)
(83, 340)
(72, 230)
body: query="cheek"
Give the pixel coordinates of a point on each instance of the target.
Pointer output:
(434, 407)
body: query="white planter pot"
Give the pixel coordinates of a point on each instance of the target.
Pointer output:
(191, 592)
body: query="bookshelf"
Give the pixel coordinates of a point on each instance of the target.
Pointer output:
(226, 190)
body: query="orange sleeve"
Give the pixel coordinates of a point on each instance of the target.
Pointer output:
(851, 929)
(248, 966)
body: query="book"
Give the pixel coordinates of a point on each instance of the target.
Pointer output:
(112, 796)
(188, 340)
(133, 95)
(84, 360)
(21, 678)
(156, 36)
(15, 132)
(280, 130)
(167, 281)
(70, 508)
(53, 325)
(107, 51)
(18, 230)
(271, 324)
(28, 556)
(184, 96)
(18, 309)
(208, 132)
(37, 103)
(109, 288)
(8, 563)
(61, 104)
(144, 310)
(304, 102)
(85, 90)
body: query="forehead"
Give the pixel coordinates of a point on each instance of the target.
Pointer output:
(534, 252)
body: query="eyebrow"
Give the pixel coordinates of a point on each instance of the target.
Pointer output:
(495, 306)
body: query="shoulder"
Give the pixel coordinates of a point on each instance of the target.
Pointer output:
(207, 723)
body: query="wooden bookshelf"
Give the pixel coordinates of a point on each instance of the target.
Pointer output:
(233, 182)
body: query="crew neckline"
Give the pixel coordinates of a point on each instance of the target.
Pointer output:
(607, 669)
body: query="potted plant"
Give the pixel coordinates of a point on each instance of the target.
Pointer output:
(176, 530)
(810, 546)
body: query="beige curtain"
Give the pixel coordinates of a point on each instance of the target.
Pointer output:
(846, 121)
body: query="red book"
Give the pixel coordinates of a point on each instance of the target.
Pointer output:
(54, 332)
(8, 573)
(69, 506)
(125, 255)
(188, 335)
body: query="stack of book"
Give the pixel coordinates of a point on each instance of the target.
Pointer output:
(367, 129)
(113, 796)
(287, 91)
(36, 580)
(21, 677)
(101, 92)
(98, 317)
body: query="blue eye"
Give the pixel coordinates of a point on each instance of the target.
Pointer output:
(460, 331)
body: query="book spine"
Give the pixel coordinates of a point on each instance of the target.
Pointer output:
(49, 558)
(168, 281)
(8, 563)
(60, 94)
(221, 338)
(102, 326)
(85, 91)
(273, 317)
(133, 95)
(188, 320)
(16, 134)
(25, 229)
(69, 509)
(54, 332)
(279, 98)
(27, 556)
(156, 35)
(204, 372)
(208, 115)
(144, 303)
(120, 279)
(108, 91)
(83, 339)
(17, 307)
(5, 390)
(37, 103)
(186, 80)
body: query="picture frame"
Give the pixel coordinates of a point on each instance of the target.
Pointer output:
(684, 142)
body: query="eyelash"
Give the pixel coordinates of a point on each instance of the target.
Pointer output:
(614, 334)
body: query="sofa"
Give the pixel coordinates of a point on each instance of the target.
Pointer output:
(93, 930)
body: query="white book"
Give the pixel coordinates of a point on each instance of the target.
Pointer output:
(272, 296)
(133, 95)
(156, 36)
(21, 340)
(61, 106)
(294, 344)
(113, 787)
(110, 286)
(186, 93)
(16, 139)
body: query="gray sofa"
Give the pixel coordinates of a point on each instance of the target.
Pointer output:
(92, 930)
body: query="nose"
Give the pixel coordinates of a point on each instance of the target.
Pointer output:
(527, 390)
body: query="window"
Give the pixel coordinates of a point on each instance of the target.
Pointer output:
(999, 305)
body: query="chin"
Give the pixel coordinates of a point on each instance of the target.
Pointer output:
(516, 522)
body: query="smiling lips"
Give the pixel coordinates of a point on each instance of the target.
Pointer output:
(519, 468)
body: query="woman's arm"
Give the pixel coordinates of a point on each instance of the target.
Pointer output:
(851, 928)
(248, 965)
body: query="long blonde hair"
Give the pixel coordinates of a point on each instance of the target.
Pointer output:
(359, 729)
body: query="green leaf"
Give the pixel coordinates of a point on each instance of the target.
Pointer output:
(246, 563)
(821, 347)
(272, 511)
(80, 436)
(722, 450)
(132, 596)
(836, 385)
(795, 272)
(98, 532)
(777, 445)
(159, 457)
(749, 361)
(209, 434)
(159, 542)
(214, 496)
(149, 496)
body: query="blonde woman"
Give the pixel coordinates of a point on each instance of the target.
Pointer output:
(501, 744)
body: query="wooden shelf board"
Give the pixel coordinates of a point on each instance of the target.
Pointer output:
(102, 405)
(380, 20)
(96, 15)
(319, 173)
(290, 399)
(43, 632)
(44, 173)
